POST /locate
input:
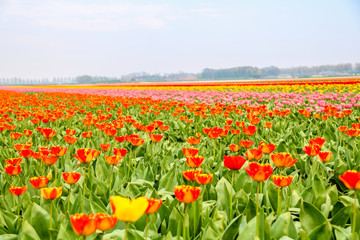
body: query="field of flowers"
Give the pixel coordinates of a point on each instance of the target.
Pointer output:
(276, 160)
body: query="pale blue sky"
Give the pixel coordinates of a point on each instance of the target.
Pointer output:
(44, 38)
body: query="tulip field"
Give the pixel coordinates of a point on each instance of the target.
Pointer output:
(221, 160)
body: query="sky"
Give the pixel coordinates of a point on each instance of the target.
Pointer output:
(68, 38)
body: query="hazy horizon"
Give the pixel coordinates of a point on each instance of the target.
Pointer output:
(113, 38)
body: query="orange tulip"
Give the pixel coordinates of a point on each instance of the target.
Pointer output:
(70, 132)
(352, 132)
(17, 191)
(20, 147)
(325, 156)
(207, 130)
(83, 224)
(85, 155)
(312, 150)
(58, 151)
(268, 125)
(240, 124)
(48, 133)
(51, 193)
(187, 194)
(234, 147)
(26, 153)
(39, 182)
(150, 128)
(228, 121)
(120, 151)
(249, 131)
(110, 131)
(120, 139)
(154, 205)
(164, 127)
(283, 159)
(234, 162)
(15, 135)
(235, 131)
(282, 181)
(351, 179)
(28, 132)
(356, 126)
(86, 134)
(12, 170)
(136, 141)
(13, 161)
(190, 152)
(195, 161)
(215, 133)
(267, 148)
(37, 155)
(50, 160)
(190, 174)
(343, 129)
(71, 177)
(70, 140)
(156, 137)
(193, 141)
(105, 147)
(259, 172)
(113, 160)
(319, 141)
(254, 154)
(105, 222)
(246, 143)
(203, 178)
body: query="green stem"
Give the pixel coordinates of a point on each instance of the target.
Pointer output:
(111, 173)
(153, 153)
(354, 150)
(279, 202)
(354, 218)
(257, 209)
(68, 207)
(51, 203)
(214, 148)
(18, 210)
(14, 203)
(147, 226)
(134, 164)
(26, 164)
(55, 173)
(128, 174)
(84, 186)
(231, 191)
(323, 172)
(184, 228)
(126, 230)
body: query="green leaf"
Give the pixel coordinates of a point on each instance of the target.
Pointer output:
(223, 193)
(310, 217)
(232, 229)
(284, 226)
(29, 233)
(323, 231)
(168, 181)
(39, 219)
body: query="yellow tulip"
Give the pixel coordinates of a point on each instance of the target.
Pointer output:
(127, 210)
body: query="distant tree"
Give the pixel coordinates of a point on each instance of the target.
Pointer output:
(84, 79)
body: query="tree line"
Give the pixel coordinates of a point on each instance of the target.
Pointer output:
(272, 71)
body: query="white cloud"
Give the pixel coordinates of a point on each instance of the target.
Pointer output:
(101, 15)
(110, 16)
